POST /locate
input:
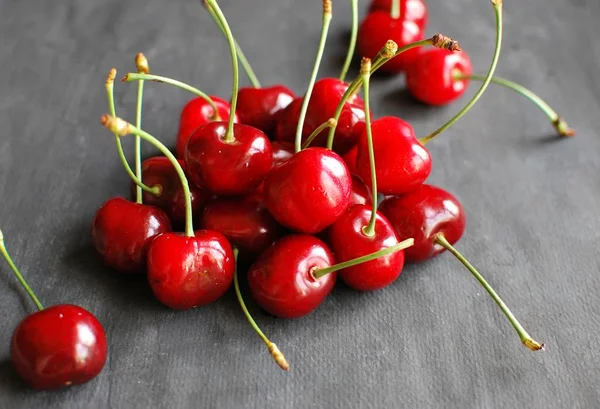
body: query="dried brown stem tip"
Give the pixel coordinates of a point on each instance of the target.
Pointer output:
(115, 124)
(533, 345)
(278, 356)
(111, 76)
(142, 63)
(365, 66)
(447, 43)
(389, 49)
(562, 127)
(327, 6)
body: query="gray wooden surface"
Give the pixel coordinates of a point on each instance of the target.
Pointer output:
(431, 340)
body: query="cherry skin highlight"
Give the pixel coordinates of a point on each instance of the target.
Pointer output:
(430, 76)
(410, 10)
(188, 272)
(309, 191)
(59, 346)
(228, 168)
(282, 151)
(122, 231)
(423, 214)
(403, 164)
(257, 106)
(361, 194)
(196, 113)
(281, 281)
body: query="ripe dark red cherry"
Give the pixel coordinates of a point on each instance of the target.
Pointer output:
(403, 164)
(309, 191)
(423, 214)
(257, 106)
(347, 240)
(196, 113)
(281, 281)
(226, 167)
(187, 272)
(122, 230)
(350, 158)
(379, 27)
(410, 10)
(58, 346)
(360, 192)
(430, 77)
(158, 170)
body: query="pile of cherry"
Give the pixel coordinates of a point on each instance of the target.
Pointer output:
(290, 183)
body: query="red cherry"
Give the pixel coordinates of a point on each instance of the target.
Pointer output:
(309, 191)
(410, 10)
(361, 194)
(158, 170)
(430, 77)
(59, 346)
(245, 222)
(348, 241)
(196, 113)
(257, 106)
(350, 159)
(187, 272)
(403, 164)
(281, 281)
(423, 214)
(282, 151)
(226, 167)
(122, 230)
(379, 27)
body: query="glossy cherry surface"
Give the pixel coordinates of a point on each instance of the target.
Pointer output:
(122, 230)
(379, 27)
(430, 76)
(422, 214)
(361, 194)
(410, 10)
(403, 164)
(158, 170)
(196, 113)
(187, 272)
(350, 158)
(257, 106)
(282, 151)
(281, 281)
(309, 191)
(59, 346)
(348, 241)
(228, 168)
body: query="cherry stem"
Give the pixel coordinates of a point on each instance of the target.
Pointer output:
(273, 349)
(327, 124)
(557, 121)
(320, 272)
(365, 73)
(18, 274)
(525, 337)
(395, 11)
(142, 65)
(498, 12)
(131, 76)
(353, 36)
(241, 56)
(123, 128)
(110, 84)
(313, 76)
(229, 137)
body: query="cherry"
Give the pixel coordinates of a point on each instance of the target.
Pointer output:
(122, 230)
(430, 77)
(282, 151)
(360, 192)
(309, 191)
(403, 164)
(350, 158)
(257, 106)
(410, 10)
(281, 280)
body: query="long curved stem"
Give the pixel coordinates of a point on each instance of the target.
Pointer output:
(353, 36)
(525, 337)
(557, 121)
(498, 12)
(142, 65)
(313, 75)
(18, 274)
(123, 128)
(327, 124)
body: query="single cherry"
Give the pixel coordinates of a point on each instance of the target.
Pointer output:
(309, 191)
(350, 158)
(257, 106)
(281, 280)
(122, 230)
(431, 76)
(410, 10)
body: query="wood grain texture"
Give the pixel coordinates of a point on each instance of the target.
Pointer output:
(433, 339)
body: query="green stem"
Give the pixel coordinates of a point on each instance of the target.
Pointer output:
(313, 76)
(557, 121)
(320, 272)
(498, 12)
(138, 144)
(328, 124)
(525, 338)
(18, 274)
(369, 230)
(241, 56)
(134, 76)
(155, 190)
(395, 11)
(353, 36)
(229, 137)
